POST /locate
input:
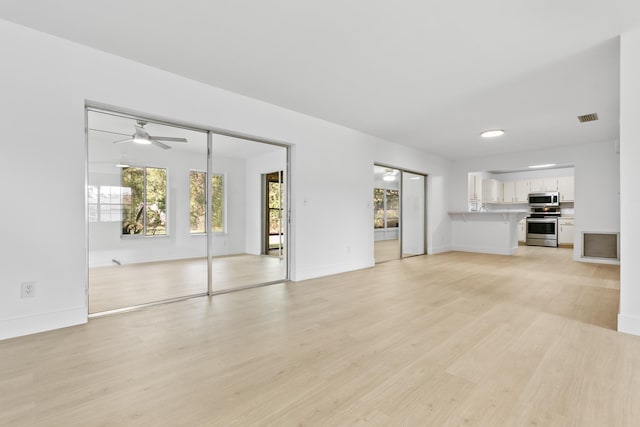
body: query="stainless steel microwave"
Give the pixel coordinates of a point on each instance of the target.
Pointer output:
(542, 200)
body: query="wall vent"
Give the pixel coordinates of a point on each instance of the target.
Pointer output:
(600, 245)
(588, 117)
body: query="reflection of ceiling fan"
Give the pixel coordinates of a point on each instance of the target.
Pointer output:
(141, 136)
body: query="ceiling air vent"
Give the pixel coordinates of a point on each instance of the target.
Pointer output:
(588, 118)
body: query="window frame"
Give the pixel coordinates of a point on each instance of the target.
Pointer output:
(208, 216)
(143, 234)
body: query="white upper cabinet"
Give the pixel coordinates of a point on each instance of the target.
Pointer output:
(565, 188)
(492, 191)
(475, 187)
(509, 191)
(522, 191)
(543, 184)
(516, 191)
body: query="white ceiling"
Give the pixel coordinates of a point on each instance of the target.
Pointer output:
(430, 73)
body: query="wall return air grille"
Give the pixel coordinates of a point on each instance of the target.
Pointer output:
(588, 117)
(600, 245)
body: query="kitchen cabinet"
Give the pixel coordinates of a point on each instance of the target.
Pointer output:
(509, 192)
(475, 192)
(565, 231)
(522, 191)
(565, 188)
(543, 184)
(492, 191)
(522, 230)
(515, 192)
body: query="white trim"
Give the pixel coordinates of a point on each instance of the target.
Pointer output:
(41, 322)
(629, 324)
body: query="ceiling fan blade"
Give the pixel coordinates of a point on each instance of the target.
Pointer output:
(123, 140)
(108, 131)
(168, 138)
(160, 144)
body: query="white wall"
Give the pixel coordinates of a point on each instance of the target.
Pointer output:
(597, 185)
(45, 84)
(629, 317)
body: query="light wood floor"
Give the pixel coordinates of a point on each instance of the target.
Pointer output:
(440, 340)
(386, 250)
(134, 284)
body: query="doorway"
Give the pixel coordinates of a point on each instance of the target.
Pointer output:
(273, 209)
(399, 217)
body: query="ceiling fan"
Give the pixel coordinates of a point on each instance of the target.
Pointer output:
(141, 136)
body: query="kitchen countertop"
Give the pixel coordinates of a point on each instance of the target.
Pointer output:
(496, 213)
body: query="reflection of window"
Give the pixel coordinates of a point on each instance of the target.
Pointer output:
(385, 208)
(198, 202)
(144, 201)
(105, 203)
(275, 208)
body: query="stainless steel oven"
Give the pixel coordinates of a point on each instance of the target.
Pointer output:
(542, 231)
(542, 200)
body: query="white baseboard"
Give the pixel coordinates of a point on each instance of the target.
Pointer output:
(629, 324)
(597, 260)
(438, 250)
(41, 322)
(329, 269)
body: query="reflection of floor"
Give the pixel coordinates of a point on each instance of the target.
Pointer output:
(386, 250)
(134, 284)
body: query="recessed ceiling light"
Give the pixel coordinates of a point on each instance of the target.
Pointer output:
(546, 165)
(492, 133)
(389, 178)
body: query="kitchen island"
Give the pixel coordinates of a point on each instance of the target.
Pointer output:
(489, 232)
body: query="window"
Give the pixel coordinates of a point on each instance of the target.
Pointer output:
(105, 203)
(198, 202)
(144, 201)
(385, 208)
(275, 209)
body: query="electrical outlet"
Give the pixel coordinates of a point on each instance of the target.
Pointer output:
(27, 289)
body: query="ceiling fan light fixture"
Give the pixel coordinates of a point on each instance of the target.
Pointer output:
(123, 163)
(141, 140)
(492, 133)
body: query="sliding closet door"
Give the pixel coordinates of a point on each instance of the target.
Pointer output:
(413, 214)
(386, 213)
(248, 213)
(146, 205)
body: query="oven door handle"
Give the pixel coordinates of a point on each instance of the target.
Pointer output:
(542, 219)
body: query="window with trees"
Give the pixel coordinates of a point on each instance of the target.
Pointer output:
(198, 202)
(144, 201)
(385, 208)
(275, 209)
